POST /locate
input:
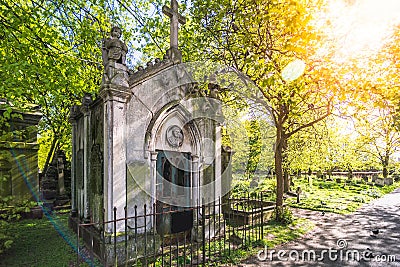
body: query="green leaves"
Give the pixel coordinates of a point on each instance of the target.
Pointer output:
(50, 55)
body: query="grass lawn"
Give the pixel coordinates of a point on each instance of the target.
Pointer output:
(274, 234)
(278, 233)
(342, 198)
(41, 242)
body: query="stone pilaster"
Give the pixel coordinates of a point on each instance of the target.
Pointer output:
(217, 161)
(153, 169)
(115, 95)
(226, 175)
(195, 181)
(72, 119)
(86, 101)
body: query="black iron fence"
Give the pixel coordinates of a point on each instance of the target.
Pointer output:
(208, 234)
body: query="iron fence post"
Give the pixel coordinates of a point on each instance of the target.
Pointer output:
(115, 236)
(203, 222)
(262, 216)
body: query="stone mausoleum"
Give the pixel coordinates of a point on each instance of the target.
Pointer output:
(150, 138)
(18, 153)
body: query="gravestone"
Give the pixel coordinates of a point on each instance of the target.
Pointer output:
(55, 184)
(18, 153)
(388, 181)
(149, 143)
(375, 176)
(380, 181)
(298, 192)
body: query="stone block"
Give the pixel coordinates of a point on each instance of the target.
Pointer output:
(49, 194)
(137, 247)
(388, 181)
(379, 181)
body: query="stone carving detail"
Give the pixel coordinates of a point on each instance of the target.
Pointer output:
(174, 136)
(79, 169)
(114, 59)
(96, 118)
(96, 174)
(114, 50)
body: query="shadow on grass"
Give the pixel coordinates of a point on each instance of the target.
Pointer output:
(46, 242)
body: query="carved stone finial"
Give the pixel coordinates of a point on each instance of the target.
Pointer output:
(74, 112)
(86, 102)
(87, 99)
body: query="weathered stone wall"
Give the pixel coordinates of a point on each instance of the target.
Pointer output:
(155, 105)
(96, 164)
(88, 172)
(78, 171)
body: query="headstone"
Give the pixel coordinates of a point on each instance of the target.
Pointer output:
(388, 181)
(329, 172)
(63, 180)
(350, 175)
(380, 181)
(298, 192)
(49, 185)
(254, 182)
(5, 177)
(55, 183)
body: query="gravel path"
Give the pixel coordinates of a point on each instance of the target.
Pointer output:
(352, 233)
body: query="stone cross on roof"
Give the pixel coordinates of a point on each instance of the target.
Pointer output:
(175, 18)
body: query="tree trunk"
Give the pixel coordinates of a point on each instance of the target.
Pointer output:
(385, 164)
(286, 181)
(278, 170)
(385, 172)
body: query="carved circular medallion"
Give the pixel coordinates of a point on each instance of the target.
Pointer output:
(174, 136)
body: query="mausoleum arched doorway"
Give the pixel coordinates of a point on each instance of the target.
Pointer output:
(173, 188)
(175, 172)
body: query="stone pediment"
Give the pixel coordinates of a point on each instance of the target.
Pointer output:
(161, 81)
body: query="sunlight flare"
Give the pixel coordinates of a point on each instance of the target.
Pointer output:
(357, 28)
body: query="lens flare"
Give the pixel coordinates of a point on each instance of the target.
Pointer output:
(357, 28)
